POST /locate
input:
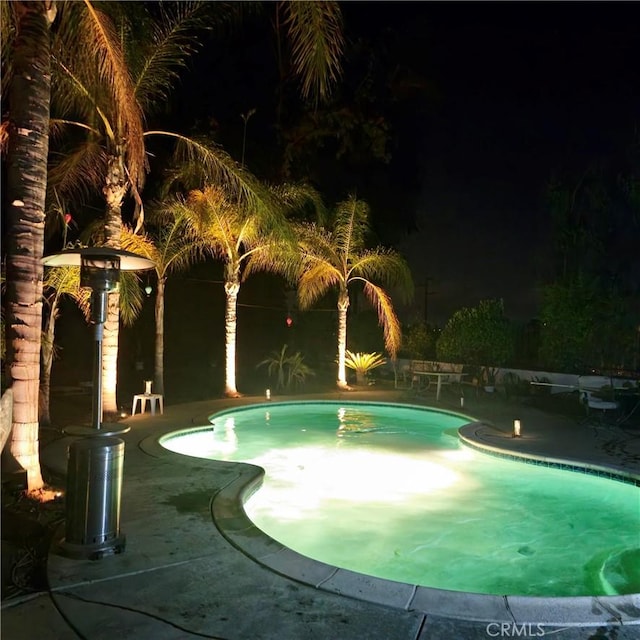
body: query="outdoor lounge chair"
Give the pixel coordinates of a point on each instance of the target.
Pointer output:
(591, 400)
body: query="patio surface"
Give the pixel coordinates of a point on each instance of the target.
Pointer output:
(181, 577)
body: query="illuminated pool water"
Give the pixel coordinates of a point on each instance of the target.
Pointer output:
(389, 491)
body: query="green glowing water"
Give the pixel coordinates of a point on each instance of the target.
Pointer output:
(389, 491)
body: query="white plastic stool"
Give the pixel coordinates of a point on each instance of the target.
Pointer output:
(153, 398)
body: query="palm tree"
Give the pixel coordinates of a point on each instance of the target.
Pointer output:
(26, 184)
(144, 65)
(336, 258)
(247, 239)
(144, 56)
(172, 249)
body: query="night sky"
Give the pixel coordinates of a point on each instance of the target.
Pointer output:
(497, 98)
(505, 94)
(527, 90)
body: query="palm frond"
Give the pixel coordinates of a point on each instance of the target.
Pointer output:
(4, 136)
(171, 247)
(273, 256)
(386, 266)
(89, 48)
(386, 317)
(199, 162)
(317, 43)
(316, 244)
(76, 172)
(315, 282)
(209, 221)
(7, 35)
(173, 41)
(65, 281)
(57, 126)
(301, 202)
(74, 97)
(131, 298)
(351, 225)
(141, 244)
(92, 234)
(363, 362)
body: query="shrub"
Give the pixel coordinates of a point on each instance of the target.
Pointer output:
(288, 370)
(477, 335)
(363, 363)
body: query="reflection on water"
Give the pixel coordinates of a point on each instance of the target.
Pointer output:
(389, 492)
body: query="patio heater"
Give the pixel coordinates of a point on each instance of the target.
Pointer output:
(95, 460)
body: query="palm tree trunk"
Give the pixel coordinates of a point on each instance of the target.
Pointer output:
(114, 191)
(343, 305)
(158, 374)
(231, 289)
(26, 186)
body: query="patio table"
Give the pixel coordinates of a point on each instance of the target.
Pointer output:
(440, 376)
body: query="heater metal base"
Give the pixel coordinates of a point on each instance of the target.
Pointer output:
(107, 429)
(90, 551)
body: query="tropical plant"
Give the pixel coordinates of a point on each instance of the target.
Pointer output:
(246, 239)
(363, 363)
(25, 68)
(336, 258)
(289, 370)
(172, 247)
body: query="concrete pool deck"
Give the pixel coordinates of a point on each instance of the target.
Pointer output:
(181, 577)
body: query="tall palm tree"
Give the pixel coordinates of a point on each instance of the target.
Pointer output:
(247, 239)
(336, 258)
(144, 55)
(26, 184)
(172, 248)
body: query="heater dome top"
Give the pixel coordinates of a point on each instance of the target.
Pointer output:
(73, 258)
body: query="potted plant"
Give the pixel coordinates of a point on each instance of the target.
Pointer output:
(362, 364)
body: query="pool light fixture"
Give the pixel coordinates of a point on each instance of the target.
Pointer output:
(516, 428)
(267, 394)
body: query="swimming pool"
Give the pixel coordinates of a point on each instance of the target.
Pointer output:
(389, 491)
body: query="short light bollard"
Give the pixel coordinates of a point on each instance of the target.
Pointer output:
(516, 428)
